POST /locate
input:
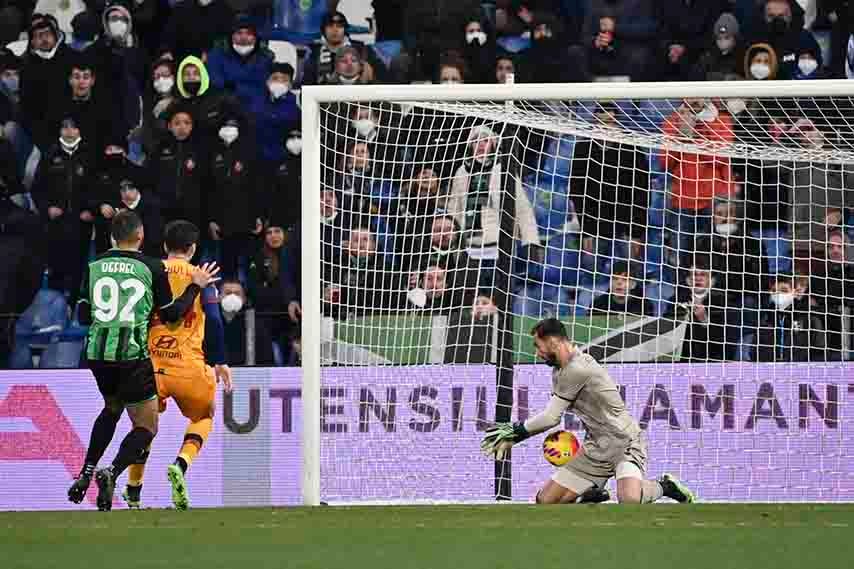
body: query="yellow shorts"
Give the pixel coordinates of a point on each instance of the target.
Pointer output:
(191, 385)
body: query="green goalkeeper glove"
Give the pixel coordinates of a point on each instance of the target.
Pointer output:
(501, 437)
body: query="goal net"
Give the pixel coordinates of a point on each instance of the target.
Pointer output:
(694, 238)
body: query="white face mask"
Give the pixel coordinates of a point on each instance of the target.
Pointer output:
(708, 114)
(807, 66)
(231, 303)
(47, 54)
(478, 37)
(243, 50)
(204, 3)
(278, 89)
(294, 145)
(417, 296)
(726, 229)
(164, 84)
(228, 134)
(736, 106)
(69, 146)
(117, 28)
(450, 81)
(700, 294)
(725, 44)
(364, 127)
(760, 70)
(782, 300)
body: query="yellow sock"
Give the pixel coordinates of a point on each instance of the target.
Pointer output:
(196, 435)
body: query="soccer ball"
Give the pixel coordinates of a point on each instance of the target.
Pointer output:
(560, 447)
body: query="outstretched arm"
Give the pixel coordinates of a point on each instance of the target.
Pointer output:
(501, 438)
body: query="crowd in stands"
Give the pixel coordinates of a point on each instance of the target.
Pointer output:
(185, 112)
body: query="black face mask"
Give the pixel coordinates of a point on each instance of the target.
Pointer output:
(778, 25)
(193, 87)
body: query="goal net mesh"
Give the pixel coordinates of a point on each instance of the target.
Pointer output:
(697, 247)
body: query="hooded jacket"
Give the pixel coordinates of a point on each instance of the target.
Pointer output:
(120, 67)
(209, 106)
(44, 84)
(246, 77)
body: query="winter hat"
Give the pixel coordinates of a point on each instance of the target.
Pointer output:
(331, 17)
(119, 7)
(285, 68)
(41, 22)
(242, 22)
(726, 24)
(69, 122)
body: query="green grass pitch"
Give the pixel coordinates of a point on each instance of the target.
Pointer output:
(714, 536)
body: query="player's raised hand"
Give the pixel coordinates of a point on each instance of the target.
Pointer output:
(495, 437)
(223, 375)
(206, 274)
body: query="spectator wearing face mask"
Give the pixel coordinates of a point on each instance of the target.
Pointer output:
(707, 332)
(208, 105)
(179, 170)
(265, 287)
(233, 303)
(810, 63)
(275, 114)
(789, 331)
(44, 78)
(194, 26)
(388, 148)
(782, 27)
(725, 56)
(761, 63)
(120, 64)
(234, 207)
(64, 191)
(243, 67)
(162, 91)
(478, 50)
(285, 182)
(736, 256)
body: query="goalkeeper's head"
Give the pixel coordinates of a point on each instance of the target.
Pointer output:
(552, 342)
(180, 239)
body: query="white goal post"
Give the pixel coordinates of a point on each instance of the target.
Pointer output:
(455, 98)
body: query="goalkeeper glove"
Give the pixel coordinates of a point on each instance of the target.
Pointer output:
(501, 437)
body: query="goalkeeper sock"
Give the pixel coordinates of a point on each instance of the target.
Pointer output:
(136, 471)
(651, 491)
(196, 435)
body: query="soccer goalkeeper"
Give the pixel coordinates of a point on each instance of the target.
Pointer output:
(615, 445)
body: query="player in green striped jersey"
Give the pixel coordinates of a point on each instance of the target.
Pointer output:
(123, 289)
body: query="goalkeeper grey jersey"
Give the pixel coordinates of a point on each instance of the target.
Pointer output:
(594, 398)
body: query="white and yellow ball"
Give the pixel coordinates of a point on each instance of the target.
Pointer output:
(560, 447)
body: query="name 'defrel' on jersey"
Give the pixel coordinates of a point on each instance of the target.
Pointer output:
(121, 292)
